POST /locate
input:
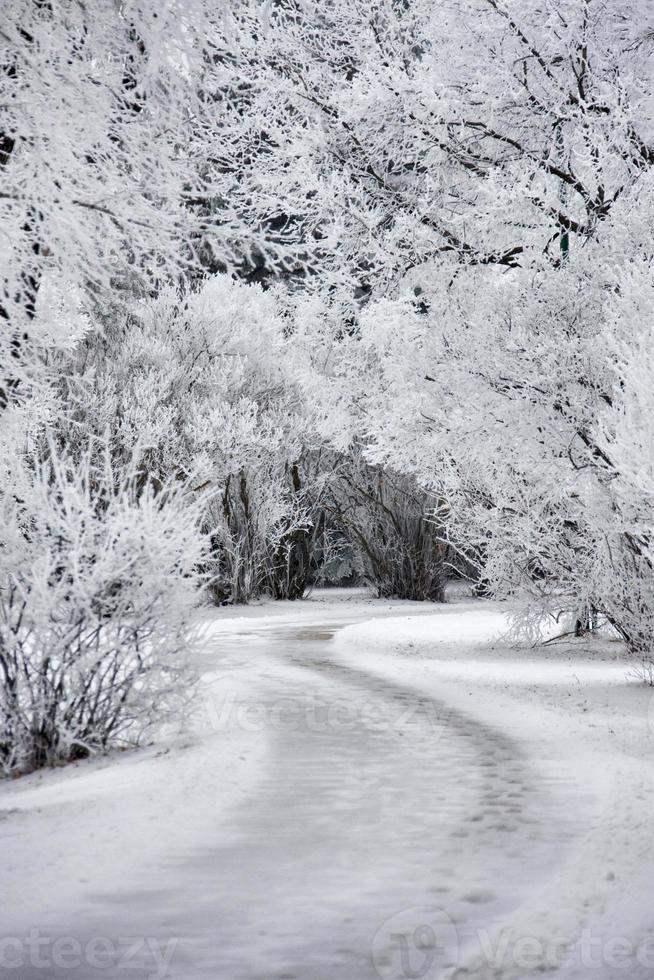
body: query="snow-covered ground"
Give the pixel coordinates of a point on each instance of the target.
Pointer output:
(368, 790)
(581, 730)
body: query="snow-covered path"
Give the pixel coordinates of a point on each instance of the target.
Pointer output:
(386, 823)
(375, 802)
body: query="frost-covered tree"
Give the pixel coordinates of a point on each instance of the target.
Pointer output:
(109, 122)
(111, 125)
(479, 132)
(477, 171)
(524, 407)
(457, 192)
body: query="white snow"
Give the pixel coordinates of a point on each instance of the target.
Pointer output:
(357, 771)
(582, 720)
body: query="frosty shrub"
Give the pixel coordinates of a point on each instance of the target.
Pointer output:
(97, 581)
(259, 535)
(206, 381)
(389, 520)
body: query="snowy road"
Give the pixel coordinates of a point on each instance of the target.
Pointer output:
(375, 802)
(382, 827)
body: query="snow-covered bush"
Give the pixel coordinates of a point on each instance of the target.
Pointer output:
(98, 578)
(206, 382)
(391, 524)
(260, 528)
